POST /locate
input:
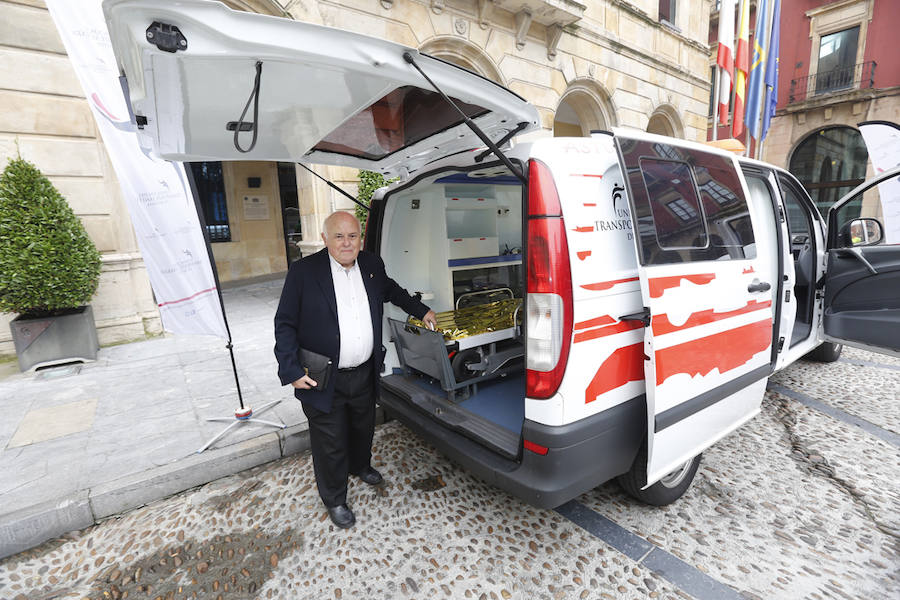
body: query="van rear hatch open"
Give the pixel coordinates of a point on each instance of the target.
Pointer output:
(325, 95)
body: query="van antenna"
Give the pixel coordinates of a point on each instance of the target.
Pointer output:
(469, 123)
(334, 187)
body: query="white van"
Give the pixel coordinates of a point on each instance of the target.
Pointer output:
(660, 281)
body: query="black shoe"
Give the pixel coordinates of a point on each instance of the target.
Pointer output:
(342, 516)
(370, 476)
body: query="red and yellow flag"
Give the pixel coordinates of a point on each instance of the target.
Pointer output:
(741, 67)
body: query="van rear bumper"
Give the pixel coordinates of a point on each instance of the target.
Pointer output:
(581, 455)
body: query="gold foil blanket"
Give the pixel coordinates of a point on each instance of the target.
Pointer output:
(472, 320)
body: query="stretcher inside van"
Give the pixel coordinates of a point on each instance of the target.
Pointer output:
(611, 306)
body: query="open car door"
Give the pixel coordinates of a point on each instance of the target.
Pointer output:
(862, 279)
(209, 83)
(706, 291)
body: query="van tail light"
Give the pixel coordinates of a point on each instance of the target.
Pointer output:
(549, 300)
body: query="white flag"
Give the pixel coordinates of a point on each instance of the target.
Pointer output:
(156, 191)
(883, 143)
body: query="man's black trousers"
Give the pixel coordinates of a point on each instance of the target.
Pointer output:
(341, 440)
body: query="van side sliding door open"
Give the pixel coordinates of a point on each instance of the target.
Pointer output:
(707, 295)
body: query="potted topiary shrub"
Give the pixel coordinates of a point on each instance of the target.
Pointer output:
(49, 270)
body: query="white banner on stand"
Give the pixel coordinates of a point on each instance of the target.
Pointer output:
(883, 143)
(156, 191)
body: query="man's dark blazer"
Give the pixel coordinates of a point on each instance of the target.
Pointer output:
(307, 318)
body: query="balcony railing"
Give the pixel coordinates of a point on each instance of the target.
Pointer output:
(861, 76)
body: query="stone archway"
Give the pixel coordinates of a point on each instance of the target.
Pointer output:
(585, 106)
(665, 121)
(829, 162)
(464, 54)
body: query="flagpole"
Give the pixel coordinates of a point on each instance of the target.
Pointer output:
(717, 75)
(763, 64)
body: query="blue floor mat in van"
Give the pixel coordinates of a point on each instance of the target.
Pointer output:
(501, 401)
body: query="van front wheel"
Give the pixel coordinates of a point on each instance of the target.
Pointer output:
(665, 491)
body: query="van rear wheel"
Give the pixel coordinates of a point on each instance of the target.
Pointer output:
(665, 491)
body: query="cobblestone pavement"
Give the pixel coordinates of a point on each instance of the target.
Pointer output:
(796, 504)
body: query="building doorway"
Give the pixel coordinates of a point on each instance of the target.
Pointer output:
(290, 211)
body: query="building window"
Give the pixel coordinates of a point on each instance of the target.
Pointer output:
(210, 185)
(829, 163)
(667, 11)
(837, 60)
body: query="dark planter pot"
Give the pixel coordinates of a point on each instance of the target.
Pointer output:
(46, 341)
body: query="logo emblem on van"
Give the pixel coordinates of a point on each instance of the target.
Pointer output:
(616, 196)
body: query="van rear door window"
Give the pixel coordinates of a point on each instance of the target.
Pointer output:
(399, 119)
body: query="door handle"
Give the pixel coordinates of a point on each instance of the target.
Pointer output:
(643, 316)
(858, 255)
(759, 286)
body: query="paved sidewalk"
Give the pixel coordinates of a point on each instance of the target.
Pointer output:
(79, 444)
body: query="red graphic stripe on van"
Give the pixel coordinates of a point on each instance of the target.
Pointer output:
(662, 325)
(590, 204)
(191, 297)
(587, 175)
(593, 334)
(595, 322)
(605, 285)
(749, 270)
(623, 366)
(726, 351)
(661, 284)
(584, 229)
(583, 254)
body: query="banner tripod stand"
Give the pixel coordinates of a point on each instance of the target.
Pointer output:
(242, 414)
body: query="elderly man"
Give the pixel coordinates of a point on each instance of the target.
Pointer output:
(332, 305)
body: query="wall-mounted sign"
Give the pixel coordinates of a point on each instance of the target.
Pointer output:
(256, 208)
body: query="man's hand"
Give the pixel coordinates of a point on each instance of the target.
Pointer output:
(304, 383)
(430, 319)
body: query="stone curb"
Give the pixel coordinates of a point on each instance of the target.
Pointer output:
(33, 525)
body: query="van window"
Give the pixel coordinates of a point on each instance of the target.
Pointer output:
(798, 218)
(689, 204)
(678, 222)
(402, 118)
(727, 217)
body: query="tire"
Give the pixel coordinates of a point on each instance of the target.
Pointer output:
(826, 352)
(461, 362)
(665, 491)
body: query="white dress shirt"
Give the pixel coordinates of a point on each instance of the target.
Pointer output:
(354, 317)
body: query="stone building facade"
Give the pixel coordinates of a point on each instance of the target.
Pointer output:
(586, 65)
(838, 67)
(842, 71)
